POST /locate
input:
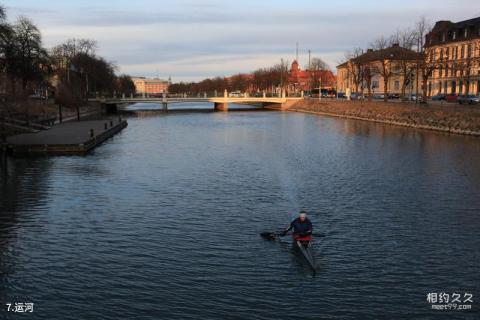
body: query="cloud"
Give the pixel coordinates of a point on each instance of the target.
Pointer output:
(199, 38)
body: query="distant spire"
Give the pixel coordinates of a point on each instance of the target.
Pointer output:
(296, 56)
(309, 60)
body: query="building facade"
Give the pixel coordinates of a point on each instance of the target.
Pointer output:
(454, 50)
(391, 70)
(308, 80)
(150, 86)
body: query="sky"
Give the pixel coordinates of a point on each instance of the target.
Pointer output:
(190, 40)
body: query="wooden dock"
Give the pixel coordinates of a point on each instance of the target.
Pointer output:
(71, 138)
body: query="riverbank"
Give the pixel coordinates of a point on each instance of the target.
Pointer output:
(452, 118)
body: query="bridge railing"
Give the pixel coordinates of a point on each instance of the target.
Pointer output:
(204, 95)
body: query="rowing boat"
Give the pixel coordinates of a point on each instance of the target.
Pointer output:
(305, 246)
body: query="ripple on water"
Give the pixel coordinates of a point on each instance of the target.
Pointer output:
(163, 221)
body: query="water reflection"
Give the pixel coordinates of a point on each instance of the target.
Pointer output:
(164, 220)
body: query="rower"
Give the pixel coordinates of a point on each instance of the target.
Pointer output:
(302, 227)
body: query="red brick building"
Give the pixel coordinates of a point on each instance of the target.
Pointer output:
(308, 80)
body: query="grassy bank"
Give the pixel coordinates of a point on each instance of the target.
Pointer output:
(451, 118)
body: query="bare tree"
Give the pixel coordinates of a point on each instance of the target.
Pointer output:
(406, 38)
(428, 62)
(29, 57)
(382, 64)
(317, 71)
(354, 67)
(379, 43)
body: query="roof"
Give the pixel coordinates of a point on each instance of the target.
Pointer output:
(447, 31)
(393, 53)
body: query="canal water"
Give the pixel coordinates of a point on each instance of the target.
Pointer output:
(163, 221)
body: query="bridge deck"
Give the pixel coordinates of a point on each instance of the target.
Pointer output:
(208, 99)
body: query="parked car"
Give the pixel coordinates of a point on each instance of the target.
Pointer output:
(341, 95)
(37, 96)
(393, 96)
(439, 97)
(378, 96)
(413, 97)
(356, 96)
(468, 99)
(452, 97)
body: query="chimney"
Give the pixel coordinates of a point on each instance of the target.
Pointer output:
(370, 50)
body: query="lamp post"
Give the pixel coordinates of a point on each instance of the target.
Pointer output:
(416, 82)
(320, 90)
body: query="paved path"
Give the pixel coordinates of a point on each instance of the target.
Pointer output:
(66, 138)
(65, 133)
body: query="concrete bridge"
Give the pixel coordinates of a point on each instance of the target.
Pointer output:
(220, 103)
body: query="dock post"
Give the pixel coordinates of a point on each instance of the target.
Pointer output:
(111, 123)
(105, 126)
(119, 119)
(4, 160)
(92, 133)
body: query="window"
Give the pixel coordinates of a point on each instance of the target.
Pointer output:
(443, 37)
(440, 71)
(446, 70)
(465, 34)
(396, 85)
(447, 53)
(454, 35)
(462, 52)
(375, 84)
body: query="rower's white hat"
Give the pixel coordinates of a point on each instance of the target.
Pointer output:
(303, 214)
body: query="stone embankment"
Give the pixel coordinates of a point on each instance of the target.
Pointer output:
(452, 118)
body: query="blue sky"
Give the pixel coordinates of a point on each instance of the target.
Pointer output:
(194, 39)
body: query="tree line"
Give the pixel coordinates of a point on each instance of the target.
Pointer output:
(70, 72)
(269, 79)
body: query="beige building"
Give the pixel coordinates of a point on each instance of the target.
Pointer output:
(454, 51)
(391, 70)
(150, 86)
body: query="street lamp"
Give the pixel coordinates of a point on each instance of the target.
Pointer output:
(320, 90)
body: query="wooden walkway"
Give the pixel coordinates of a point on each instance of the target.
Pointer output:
(65, 139)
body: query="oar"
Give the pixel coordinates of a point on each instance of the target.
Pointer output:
(270, 235)
(273, 235)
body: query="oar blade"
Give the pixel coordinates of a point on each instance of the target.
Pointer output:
(268, 235)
